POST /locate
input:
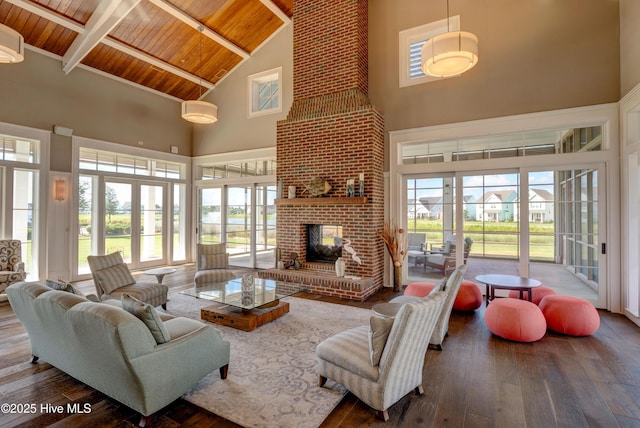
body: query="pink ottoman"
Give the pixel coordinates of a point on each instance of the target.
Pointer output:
(419, 289)
(537, 294)
(515, 319)
(469, 297)
(570, 315)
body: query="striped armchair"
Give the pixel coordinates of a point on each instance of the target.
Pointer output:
(347, 358)
(451, 288)
(112, 278)
(11, 264)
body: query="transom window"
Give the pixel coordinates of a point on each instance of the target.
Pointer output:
(575, 140)
(97, 160)
(265, 92)
(237, 169)
(18, 149)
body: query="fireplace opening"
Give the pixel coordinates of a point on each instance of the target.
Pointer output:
(324, 243)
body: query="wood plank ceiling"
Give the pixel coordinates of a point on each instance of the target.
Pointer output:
(154, 44)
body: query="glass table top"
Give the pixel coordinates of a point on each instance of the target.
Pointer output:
(256, 294)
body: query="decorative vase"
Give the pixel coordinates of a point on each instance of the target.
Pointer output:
(340, 267)
(397, 278)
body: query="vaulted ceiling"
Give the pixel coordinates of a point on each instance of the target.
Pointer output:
(154, 44)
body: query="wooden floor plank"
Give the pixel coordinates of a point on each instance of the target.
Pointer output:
(477, 380)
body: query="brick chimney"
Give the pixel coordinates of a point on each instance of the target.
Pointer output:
(332, 131)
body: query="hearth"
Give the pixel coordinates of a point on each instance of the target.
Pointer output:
(324, 243)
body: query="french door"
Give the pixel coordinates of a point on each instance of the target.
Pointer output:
(126, 216)
(242, 216)
(536, 222)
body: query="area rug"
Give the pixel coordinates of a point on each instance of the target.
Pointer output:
(272, 379)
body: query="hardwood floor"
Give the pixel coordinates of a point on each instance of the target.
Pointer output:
(477, 380)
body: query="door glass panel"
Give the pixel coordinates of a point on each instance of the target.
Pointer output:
(238, 222)
(578, 228)
(24, 189)
(179, 223)
(151, 223)
(265, 226)
(117, 220)
(87, 221)
(210, 215)
(490, 214)
(542, 217)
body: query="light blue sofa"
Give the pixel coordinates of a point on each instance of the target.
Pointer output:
(114, 352)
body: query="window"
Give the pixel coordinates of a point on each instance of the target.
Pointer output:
(411, 42)
(265, 92)
(98, 160)
(505, 146)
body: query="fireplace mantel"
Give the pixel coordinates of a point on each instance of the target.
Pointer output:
(322, 201)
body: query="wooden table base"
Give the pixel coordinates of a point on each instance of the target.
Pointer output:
(243, 320)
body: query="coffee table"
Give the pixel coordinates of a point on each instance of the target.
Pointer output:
(507, 282)
(245, 309)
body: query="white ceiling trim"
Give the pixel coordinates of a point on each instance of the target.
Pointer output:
(195, 24)
(276, 11)
(155, 62)
(106, 16)
(47, 14)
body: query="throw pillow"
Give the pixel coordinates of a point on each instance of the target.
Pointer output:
(64, 286)
(148, 315)
(114, 277)
(379, 329)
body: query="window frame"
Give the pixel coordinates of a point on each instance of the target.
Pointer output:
(417, 34)
(253, 81)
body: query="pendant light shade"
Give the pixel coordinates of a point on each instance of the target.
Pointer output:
(449, 54)
(11, 45)
(199, 111)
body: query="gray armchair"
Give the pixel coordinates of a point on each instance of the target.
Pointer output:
(451, 288)
(11, 264)
(112, 278)
(347, 357)
(212, 264)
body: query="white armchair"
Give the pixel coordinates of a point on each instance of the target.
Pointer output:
(212, 264)
(112, 278)
(349, 358)
(450, 288)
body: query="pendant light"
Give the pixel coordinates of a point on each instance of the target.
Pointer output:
(197, 111)
(449, 54)
(11, 45)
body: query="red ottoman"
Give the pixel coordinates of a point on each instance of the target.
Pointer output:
(469, 297)
(515, 319)
(538, 293)
(570, 315)
(419, 289)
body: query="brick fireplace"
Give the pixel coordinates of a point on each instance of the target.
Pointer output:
(332, 131)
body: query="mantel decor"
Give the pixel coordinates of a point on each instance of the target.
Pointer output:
(322, 201)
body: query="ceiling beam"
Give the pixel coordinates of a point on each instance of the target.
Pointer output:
(195, 24)
(48, 15)
(106, 16)
(269, 4)
(108, 41)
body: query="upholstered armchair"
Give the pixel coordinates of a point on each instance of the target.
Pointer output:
(11, 264)
(112, 278)
(383, 362)
(444, 258)
(450, 288)
(212, 264)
